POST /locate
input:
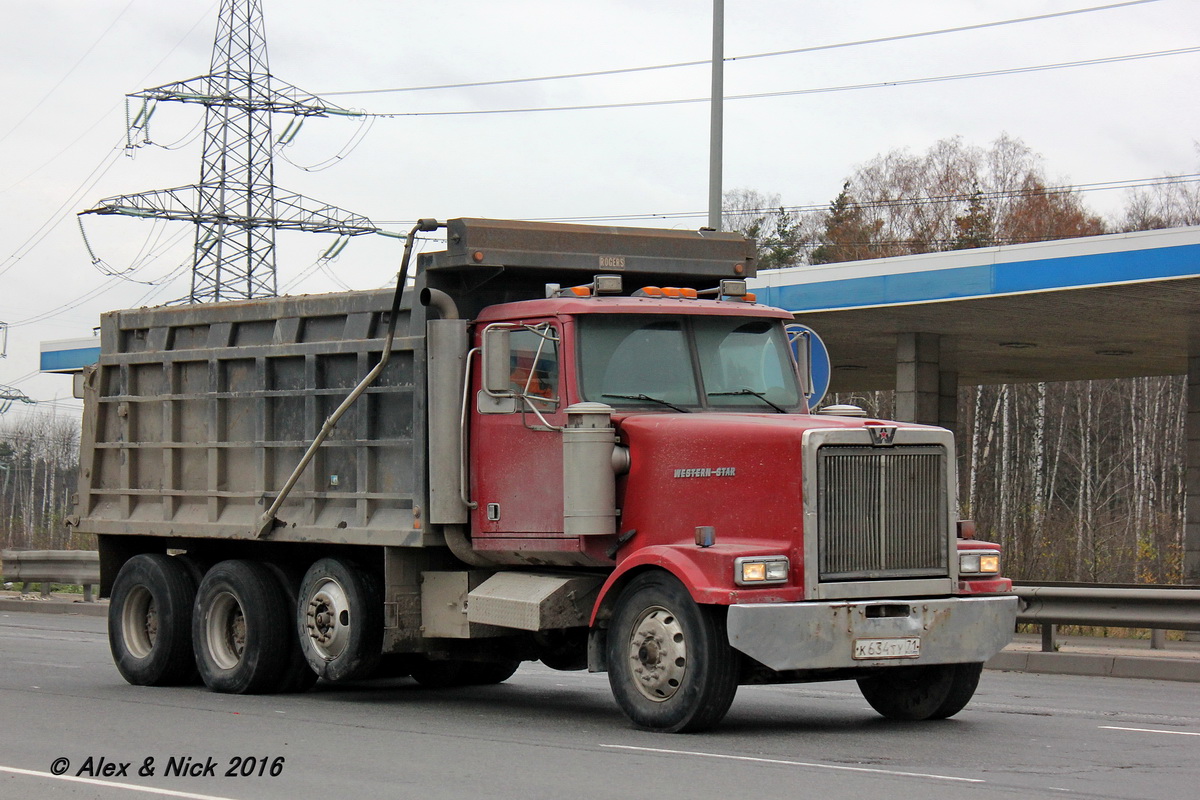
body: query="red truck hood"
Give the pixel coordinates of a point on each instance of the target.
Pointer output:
(740, 473)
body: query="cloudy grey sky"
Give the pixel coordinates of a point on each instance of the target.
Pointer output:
(66, 66)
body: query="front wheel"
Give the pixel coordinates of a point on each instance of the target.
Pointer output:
(670, 665)
(915, 693)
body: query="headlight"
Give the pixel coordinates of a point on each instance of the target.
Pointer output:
(749, 571)
(982, 562)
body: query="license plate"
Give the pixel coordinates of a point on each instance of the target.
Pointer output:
(909, 647)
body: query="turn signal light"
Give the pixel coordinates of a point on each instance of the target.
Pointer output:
(979, 563)
(749, 571)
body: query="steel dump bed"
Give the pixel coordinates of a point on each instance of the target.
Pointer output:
(196, 416)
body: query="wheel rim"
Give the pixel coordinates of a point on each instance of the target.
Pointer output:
(658, 654)
(139, 622)
(327, 619)
(225, 631)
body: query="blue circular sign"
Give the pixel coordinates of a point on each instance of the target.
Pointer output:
(818, 358)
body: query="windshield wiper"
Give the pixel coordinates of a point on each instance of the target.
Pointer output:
(759, 395)
(649, 399)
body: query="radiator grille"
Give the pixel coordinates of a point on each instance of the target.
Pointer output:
(882, 512)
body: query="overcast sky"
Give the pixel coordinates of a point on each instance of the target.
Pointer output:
(67, 65)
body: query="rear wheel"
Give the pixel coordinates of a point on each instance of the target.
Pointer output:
(339, 620)
(149, 621)
(670, 665)
(297, 676)
(241, 629)
(915, 693)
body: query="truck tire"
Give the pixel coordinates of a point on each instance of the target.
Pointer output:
(446, 674)
(240, 629)
(915, 693)
(487, 673)
(149, 621)
(297, 676)
(437, 674)
(339, 620)
(670, 665)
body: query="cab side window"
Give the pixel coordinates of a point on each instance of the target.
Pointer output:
(534, 365)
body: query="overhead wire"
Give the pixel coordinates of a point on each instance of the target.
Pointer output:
(69, 72)
(104, 116)
(1096, 186)
(111, 158)
(366, 122)
(183, 141)
(103, 288)
(795, 92)
(164, 283)
(706, 62)
(56, 217)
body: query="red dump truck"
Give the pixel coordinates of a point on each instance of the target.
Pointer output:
(582, 445)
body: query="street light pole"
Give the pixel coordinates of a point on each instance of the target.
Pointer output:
(717, 105)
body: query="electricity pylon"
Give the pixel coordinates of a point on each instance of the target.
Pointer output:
(9, 395)
(236, 206)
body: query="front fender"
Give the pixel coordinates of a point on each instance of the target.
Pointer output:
(706, 573)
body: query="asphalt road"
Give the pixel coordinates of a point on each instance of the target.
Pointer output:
(547, 734)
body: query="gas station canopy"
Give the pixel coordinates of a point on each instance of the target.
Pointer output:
(1121, 305)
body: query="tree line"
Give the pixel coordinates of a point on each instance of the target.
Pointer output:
(39, 459)
(952, 197)
(1080, 480)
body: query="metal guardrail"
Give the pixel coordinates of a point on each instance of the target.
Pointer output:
(76, 567)
(1159, 608)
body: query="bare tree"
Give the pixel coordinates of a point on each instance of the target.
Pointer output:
(780, 235)
(1171, 204)
(38, 463)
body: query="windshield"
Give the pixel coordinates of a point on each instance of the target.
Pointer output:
(689, 362)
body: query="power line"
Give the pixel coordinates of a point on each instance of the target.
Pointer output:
(57, 216)
(1129, 183)
(795, 92)
(706, 62)
(105, 115)
(69, 72)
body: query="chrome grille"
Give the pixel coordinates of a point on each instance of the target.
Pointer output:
(882, 512)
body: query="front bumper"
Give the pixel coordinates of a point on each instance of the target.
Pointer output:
(821, 635)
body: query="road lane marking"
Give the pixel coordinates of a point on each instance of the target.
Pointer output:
(786, 763)
(1148, 730)
(113, 784)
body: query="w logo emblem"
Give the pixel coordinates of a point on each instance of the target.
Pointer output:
(882, 435)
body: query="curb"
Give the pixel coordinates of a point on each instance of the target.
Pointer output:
(54, 607)
(1103, 665)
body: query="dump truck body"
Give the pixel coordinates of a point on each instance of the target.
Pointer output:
(612, 475)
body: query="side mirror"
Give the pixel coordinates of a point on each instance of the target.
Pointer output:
(801, 344)
(497, 362)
